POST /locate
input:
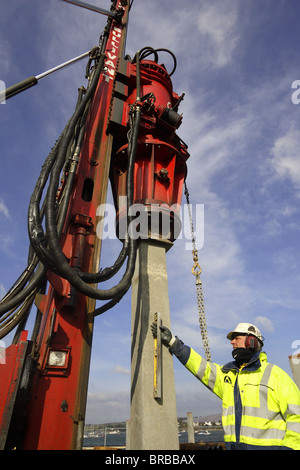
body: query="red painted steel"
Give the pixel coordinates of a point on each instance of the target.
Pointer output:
(160, 164)
(56, 411)
(11, 371)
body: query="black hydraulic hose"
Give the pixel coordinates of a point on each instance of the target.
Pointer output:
(173, 56)
(130, 189)
(62, 150)
(53, 239)
(146, 51)
(32, 284)
(18, 316)
(108, 272)
(21, 281)
(7, 318)
(111, 303)
(35, 230)
(129, 248)
(34, 274)
(63, 208)
(18, 293)
(36, 233)
(69, 273)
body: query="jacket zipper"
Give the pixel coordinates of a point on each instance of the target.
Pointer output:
(238, 410)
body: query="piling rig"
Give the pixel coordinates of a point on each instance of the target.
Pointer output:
(123, 129)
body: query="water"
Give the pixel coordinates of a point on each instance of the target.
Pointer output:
(216, 435)
(120, 439)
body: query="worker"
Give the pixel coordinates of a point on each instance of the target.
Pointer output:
(260, 402)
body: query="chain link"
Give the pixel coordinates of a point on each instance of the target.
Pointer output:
(196, 271)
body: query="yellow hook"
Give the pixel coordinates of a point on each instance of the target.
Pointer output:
(196, 270)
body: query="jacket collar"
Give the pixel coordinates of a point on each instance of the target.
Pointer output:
(252, 365)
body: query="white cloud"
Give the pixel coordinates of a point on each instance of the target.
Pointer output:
(107, 407)
(286, 156)
(218, 23)
(224, 130)
(8, 12)
(121, 370)
(4, 209)
(264, 323)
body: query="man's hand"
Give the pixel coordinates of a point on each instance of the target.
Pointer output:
(166, 336)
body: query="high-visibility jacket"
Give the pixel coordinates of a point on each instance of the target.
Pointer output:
(260, 402)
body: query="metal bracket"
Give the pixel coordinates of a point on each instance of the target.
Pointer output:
(88, 6)
(157, 385)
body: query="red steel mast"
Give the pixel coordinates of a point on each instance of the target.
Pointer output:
(59, 370)
(123, 128)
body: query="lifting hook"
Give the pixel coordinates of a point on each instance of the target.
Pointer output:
(196, 270)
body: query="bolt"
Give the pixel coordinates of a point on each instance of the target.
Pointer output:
(164, 173)
(64, 406)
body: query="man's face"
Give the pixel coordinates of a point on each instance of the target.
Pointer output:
(238, 341)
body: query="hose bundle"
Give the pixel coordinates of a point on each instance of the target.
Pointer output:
(45, 251)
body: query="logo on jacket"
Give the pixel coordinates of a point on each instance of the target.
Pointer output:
(227, 379)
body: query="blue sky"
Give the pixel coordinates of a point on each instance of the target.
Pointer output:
(237, 61)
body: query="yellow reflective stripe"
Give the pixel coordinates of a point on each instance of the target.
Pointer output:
(260, 422)
(202, 369)
(212, 376)
(292, 410)
(229, 435)
(293, 426)
(261, 434)
(266, 375)
(227, 411)
(262, 413)
(193, 362)
(207, 373)
(229, 431)
(228, 421)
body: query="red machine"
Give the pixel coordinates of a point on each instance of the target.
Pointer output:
(124, 126)
(160, 162)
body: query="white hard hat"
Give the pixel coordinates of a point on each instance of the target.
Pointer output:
(248, 329)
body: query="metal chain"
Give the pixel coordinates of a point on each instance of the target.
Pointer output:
(196, 271)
